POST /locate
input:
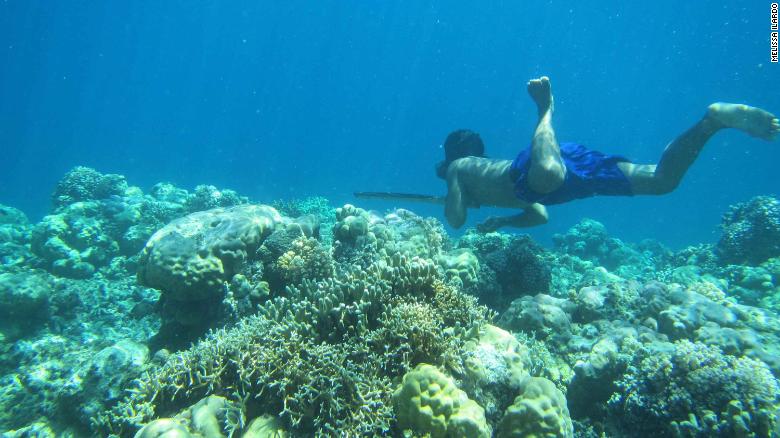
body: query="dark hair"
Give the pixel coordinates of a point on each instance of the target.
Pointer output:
(459, 144)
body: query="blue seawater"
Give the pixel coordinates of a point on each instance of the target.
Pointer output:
(296, 99)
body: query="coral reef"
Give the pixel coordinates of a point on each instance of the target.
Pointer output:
(75, 241)
(322, 351)
(509, 268)
(83, 184)
(460, 265)
(15, 232)
(190, 258)
(428, 402)
(750, 232)
(540, 410)
(24, 302)
(98, 217)
(208, 197)
(693, 389)
(495, 366)
(176, 313)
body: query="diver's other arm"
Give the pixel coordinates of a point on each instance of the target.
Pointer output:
(534, 215)
(454, 204)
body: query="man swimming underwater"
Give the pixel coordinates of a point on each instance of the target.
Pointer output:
(551, 173)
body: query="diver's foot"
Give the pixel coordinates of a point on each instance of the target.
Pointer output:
(541, 92)
(749, 119)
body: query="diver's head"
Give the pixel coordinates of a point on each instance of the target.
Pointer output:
(459, 144)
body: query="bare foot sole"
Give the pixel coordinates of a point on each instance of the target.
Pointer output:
(749, 119)
(541, 92)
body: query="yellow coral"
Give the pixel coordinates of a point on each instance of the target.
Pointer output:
(539, 411)
(306, 259)
(428, 402)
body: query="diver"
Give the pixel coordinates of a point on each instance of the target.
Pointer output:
(548, 172)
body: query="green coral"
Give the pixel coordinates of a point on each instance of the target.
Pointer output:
(539, 411)
(429, 402)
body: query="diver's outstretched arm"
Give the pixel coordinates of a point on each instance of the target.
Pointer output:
(535, 214)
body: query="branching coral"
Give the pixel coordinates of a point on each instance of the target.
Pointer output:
(323, 357)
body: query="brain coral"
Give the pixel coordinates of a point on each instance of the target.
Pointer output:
(539, 411)
(189, 258)
(429, 402)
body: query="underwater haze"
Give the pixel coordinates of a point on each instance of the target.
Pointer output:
(184, 252)
(299, 99)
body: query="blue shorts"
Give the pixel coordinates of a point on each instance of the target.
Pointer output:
(588, 173)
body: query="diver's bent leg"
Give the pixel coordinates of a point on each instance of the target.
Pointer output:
(547, 171)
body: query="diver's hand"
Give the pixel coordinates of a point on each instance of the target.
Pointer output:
(491, 224)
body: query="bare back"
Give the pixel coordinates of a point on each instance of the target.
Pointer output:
(473, 182)
(484, 181)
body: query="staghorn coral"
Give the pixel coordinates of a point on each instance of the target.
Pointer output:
(323, 356)
(313, 386)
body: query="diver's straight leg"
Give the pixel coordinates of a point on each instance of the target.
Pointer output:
(547, 171)
(679, 155)
(682, 152)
